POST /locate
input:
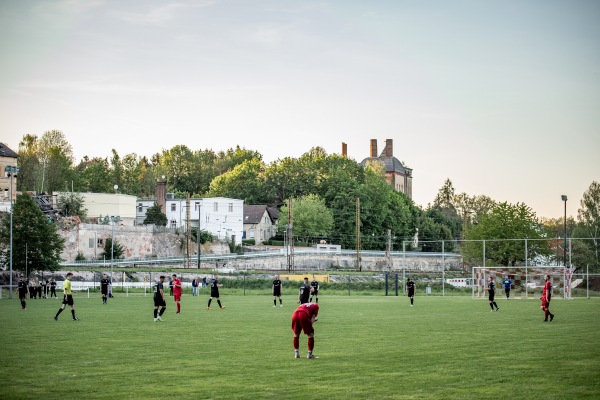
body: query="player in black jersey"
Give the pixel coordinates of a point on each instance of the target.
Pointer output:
(492, 292)
(315, 290)
(104, 284)
(410, 290)
(159, 299)
(277, 286)
(304, 293)
(22, 289)
(214, 291)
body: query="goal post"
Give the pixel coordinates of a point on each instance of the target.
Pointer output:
(527, 282)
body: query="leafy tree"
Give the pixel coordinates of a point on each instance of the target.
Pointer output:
(444, 200)
(434, 226)
(205, 236)
(588, 216)
(117, 250)
(311, 217)
(72, 203)
(505, 223)
(245, 182)
(95, 175)
(29, 164)
(154, 215)
(55, 154)
(32, 233)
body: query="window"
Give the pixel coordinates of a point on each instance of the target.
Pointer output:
(173, 207)
(196, 206)
(101, 243)
(140, 207)
(230, 207)
(215, 206)
(173, 223)
(91, 243)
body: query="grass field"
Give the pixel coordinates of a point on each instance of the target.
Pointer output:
(370, 347)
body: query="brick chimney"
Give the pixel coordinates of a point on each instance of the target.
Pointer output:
(161, 194)
(389, 147)
(344, 150)
(374, 148)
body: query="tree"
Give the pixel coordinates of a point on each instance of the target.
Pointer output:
(311, 217)
(72, 203)
(154, 215)
(434, 226)
(95, 175)
(117, 250)
(34, 238)
(29, 164)
(504, 230)
(588, 216)
(245, 182)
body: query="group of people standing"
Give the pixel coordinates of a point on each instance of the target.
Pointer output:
(545, 299)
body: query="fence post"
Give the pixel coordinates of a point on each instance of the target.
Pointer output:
(386, 283)
(443, 270)
(396, 284)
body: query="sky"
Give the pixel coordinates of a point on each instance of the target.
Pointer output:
(500, 96)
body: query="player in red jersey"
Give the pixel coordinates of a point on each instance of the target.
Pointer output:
(177, 290)
(302, 320)
(546, 296)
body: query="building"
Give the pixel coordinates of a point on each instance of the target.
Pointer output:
(220, 216)
(397, 174)
(107, 205)
(259, 222)
(8, 158)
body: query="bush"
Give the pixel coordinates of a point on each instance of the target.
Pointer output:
(80, 256)
(248, 242)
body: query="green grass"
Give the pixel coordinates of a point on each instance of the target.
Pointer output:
(372, 347)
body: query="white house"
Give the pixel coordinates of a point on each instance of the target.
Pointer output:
(221, 216)
(259, 222)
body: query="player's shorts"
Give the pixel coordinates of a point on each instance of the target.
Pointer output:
(492, 295)
(315, 292)
(22, 295)
(177, 297)
(68, 299)
(214, 293)
(302, 322)
(411, 293)
(277, 292)
(507, 290)
(159, 302)
(104, 291)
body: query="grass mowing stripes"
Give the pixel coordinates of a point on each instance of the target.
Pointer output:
(372, 347)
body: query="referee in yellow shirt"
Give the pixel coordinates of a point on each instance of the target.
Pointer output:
(67, 299)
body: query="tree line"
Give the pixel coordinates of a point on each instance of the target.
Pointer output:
(324, 188)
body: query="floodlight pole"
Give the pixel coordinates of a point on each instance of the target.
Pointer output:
(564, 199)
(12, 171)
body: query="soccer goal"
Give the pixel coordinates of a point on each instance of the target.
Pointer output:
(527, 282)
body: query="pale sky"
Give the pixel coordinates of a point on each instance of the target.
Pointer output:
(502, 97)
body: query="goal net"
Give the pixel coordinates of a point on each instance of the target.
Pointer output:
(527, 282)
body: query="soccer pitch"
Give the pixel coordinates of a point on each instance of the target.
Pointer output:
(370, 347)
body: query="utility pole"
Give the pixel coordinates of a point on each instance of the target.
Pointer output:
(358, 265)
(388, 250)
(290, 236)
(188, 260)
(198, 237)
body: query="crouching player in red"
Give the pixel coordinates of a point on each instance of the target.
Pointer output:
(302, 320)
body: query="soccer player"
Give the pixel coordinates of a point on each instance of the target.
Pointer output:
(159, 299)
(507, 282)
(67, 298)
(304, 293)
(302, 320)
(214, 291)
(170, 287)
(277, 286)
(315, 292)
(52, 288)
(546, 296)
(177, 291)
(492, 292)
(22, 289)
(410, 290)
(104, 284)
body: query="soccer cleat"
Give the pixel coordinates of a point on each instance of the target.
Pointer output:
(551, 317)
(55, 318)
(177, 312)
(274, 306)
(222, 307)
(497, 308)
(311, 356)
(281, 305)
(208, 308)
(155, 319)
(296, 355)
(75, 319)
